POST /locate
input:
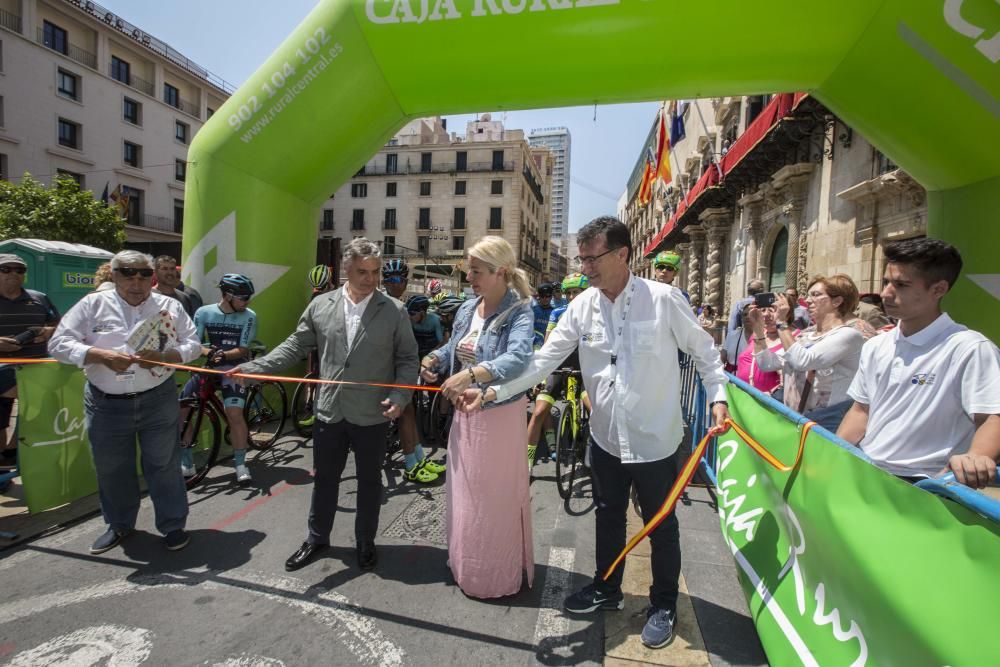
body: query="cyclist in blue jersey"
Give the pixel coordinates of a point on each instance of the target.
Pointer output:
(429, 333)
(542, 309)
(227, 327)
(572, 286)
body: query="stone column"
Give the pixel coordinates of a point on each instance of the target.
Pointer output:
(717, 222)
(684, 250)
(697, 235)
(791, 183)
(753, 204)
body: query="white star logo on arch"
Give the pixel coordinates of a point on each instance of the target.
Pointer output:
(988, 281)
(222, 239)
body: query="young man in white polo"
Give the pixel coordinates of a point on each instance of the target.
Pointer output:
(926, 394)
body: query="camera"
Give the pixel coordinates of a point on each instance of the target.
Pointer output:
(26, 337)
(764, 300)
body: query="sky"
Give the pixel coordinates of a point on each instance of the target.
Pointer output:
(231, 38)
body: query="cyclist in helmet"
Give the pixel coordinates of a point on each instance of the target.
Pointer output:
(666, 264)
(319, 279)
(395, 278)
(429, 334)
(446, 313)
(572, 286)
(227, 327)
(542, 309)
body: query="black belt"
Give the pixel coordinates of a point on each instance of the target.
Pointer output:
(120, 397)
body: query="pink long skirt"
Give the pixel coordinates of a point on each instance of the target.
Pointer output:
(489, 502)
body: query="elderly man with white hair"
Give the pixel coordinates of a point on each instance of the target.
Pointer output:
(127, 398)
(364, 337)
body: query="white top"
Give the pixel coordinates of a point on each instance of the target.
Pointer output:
(104, 320)
(833, 355)
(922, 391)
(636, 401)
(352, 315)
(465, 351)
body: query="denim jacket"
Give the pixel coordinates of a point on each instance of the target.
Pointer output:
(504, 346)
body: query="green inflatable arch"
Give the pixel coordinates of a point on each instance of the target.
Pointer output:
(921, 80)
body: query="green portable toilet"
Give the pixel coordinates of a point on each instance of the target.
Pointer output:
(63, 271)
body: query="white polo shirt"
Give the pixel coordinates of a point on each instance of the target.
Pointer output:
(922, 391)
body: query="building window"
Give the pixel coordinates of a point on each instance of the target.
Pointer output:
(496, 218)
(130, 111)
(423, 245)
(883, 165)
(390, 219)
(134, 199)
(497, 160)
(425, 188)
(390, 189)
(389, 245)
(68, 84)
(460, 187)
(178, 216)
(172, 96)
(391, 163)
(121, 70)
(181, 131)
(424, 219)
(71, 174)
(359, 190)
(496, 188)
(180, 170)
(779, 256)
(3, 167)
(461, 161)
(425, 163)
(458, 243)
(1, 112)
(209, 111)
(459, 220)
(327, 220)
(69, 134)
(133, 154)
(358, 220)
(360, 172)
(54, 37)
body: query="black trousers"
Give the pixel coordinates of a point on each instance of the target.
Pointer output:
(612, 482)
(331, 443)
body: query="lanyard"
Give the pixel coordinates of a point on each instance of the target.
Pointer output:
(619, 333)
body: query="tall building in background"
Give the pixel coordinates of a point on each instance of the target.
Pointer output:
(86, 94)
(557, 140)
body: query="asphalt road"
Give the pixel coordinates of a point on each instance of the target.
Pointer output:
(227, 600)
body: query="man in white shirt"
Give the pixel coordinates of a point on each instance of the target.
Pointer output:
(628, 331)
(926, 394)
(126, 398)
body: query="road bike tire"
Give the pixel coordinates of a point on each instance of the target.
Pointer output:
(303, 403)
(423, 405)
(565, 453)
(202, 431)
(265, 412)
(441, 423)
(392, 442)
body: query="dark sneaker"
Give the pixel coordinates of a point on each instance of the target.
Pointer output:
(590, 598)
(176, 540)
(659, 630)
(109, 540)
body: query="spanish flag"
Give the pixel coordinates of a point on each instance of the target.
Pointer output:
(663, 152)
(646, 185)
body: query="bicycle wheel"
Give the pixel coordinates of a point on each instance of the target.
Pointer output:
(565, 453)
(303, 399)
(423, 405)
(201, 432)
(392, 442)
(441, 421)
(264, 412)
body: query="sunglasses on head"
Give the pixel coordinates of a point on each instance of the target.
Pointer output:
(13, 269)
(660, 267)
(131, 273)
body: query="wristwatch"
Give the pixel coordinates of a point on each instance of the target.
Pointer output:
(781, 326)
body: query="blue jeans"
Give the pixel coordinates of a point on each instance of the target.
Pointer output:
(113, 426)
(830, 416)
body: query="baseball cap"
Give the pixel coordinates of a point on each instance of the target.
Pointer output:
(10, 258)
(668, 258)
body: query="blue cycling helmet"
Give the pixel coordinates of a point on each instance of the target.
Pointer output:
(417, 302)
(236, 284)
(395, 267)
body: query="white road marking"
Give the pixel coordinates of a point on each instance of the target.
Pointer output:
(552, 623)
(52, 542)
(118, 645)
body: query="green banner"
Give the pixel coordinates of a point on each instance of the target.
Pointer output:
(844, 564)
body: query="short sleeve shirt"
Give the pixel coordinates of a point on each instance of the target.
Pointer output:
(921, 392)
(225, 331)
(29, 310)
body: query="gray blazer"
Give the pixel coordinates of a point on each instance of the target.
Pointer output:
(384, 351)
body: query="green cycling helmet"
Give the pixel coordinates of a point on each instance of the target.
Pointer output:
(575, 281)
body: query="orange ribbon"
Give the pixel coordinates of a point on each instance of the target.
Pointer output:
(687, 473)
(249, 376)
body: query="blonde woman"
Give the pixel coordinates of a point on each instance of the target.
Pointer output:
(489, 502)
(102, 278)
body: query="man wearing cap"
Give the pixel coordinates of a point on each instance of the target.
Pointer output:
(22, 312)
(666, 264)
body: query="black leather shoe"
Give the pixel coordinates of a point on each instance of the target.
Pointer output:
(367, 557)
(305, 555)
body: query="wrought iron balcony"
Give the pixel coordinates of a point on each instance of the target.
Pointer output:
(72, 51)
(10, 21)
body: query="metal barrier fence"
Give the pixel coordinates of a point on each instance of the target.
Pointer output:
(697, 415)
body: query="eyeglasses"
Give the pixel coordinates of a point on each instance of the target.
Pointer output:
(583, 261)
(13, 269)
(244, 299)
(131, 273)
(394, 280)
(665, 267)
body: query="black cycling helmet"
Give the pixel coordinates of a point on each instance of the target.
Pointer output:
(417, 303)
(546, 289)
(449, 305)
(395, 267)
(236, 284)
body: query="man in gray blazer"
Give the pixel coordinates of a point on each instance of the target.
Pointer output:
(360, 335)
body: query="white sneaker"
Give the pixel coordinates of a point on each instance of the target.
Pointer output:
(188, 471)
(242, 474)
